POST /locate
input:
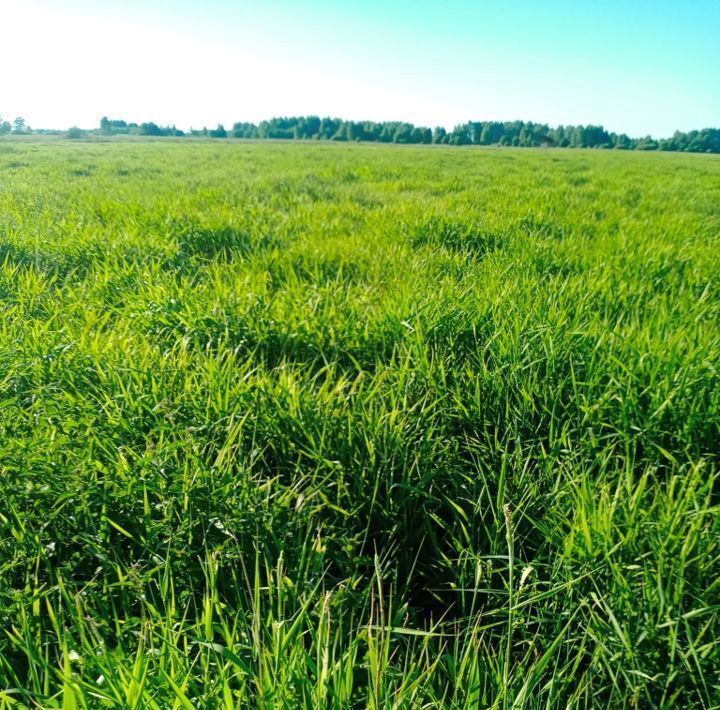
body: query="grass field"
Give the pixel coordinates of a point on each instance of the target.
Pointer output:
(319, 426)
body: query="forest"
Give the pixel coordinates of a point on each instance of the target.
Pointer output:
(502, 133)
(522, 134)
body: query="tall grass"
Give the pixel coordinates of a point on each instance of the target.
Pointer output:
(358, 426)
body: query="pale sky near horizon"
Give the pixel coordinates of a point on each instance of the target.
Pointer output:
(635, 66)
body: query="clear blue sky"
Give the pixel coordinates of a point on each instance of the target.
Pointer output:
(635, 66)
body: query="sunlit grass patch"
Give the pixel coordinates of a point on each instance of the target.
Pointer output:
(358, 426)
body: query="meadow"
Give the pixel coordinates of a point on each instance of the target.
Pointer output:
(358, 426)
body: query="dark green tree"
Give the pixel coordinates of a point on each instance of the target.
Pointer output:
(439, 134)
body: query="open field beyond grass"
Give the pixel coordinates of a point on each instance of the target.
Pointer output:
(356, 426)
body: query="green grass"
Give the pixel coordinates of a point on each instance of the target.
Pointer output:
(358, 426)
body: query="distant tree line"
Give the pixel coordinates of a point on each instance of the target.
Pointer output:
(503, 133)
(110, 127)
(17, 126)
(500, 133)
